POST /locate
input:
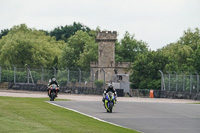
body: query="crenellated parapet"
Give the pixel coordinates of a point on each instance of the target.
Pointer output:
(94, 64)
(106, 36)
(123, 64)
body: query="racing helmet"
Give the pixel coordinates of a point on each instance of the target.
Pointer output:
(54, 79)
(110, 86)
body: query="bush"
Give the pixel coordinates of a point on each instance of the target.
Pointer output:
(98, 83)
(73, 81)
(21, 77)
(36, 76)
(62, 81)
(7, 76)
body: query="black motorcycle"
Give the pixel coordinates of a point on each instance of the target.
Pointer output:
(53, 91)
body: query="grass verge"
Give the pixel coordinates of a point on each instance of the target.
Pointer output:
(33, 115)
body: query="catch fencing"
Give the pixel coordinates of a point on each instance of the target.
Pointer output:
(174, 85)
(180, 82)
(65, 77)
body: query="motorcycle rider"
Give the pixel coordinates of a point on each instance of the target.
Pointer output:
(52, 81)
(110, 88)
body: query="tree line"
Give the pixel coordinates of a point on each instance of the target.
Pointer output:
(74, 46)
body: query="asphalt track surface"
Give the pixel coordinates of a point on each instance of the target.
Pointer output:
(144, 117)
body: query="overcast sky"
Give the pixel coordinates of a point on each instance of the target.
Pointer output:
(156, 22)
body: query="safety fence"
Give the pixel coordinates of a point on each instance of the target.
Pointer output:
(179, 85)
(65, 77)
(180, 82)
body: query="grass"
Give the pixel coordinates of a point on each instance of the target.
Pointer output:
(33, 115)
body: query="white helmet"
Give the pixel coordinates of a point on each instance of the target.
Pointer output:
(53, 79)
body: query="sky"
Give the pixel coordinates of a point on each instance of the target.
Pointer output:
(156, 22)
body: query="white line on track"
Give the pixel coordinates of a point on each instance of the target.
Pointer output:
(88, 115)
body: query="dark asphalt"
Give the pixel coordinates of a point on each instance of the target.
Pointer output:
(144, 117)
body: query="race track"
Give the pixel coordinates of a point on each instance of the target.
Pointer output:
(144, 117)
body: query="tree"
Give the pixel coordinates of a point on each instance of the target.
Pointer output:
(4, 33)
(128, 48)
(183, 54)
(195, 61)
(23, 45)
(191, 38)
(179, 57)
(145, 70)
(81, 49)
(63, 33)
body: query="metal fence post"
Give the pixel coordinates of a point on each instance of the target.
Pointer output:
(162, 81)
(176, 81)
(14, 73)
(92, 76)
(0, 73)
(28, 75)
(54, 71)
(190, 83)
(67, 75)
(184, 82)
(79, 75)
(197, 82)
(42, 75)
(103, 77)
(169, 80)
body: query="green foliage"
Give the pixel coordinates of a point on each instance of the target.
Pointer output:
(73, 80)
(196, 59)
(178, 56)
(28, 46)
(183, 54)
(99, 83)
(81, 49)
(7, 76)
(63, 33)
(21, 77)
(191, 38)
(4, 33)
(36, 76)
(145, 70)
(128, 48)
(62, 81)
(62, 77)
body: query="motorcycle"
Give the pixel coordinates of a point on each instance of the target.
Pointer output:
(109, 101)
(53, 91)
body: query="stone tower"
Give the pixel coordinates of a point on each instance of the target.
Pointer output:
(106, 49)
(104, 68)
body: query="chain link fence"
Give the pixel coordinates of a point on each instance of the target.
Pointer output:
(65, 77)
(180, 82)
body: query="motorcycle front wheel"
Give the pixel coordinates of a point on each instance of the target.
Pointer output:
(53, 95)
